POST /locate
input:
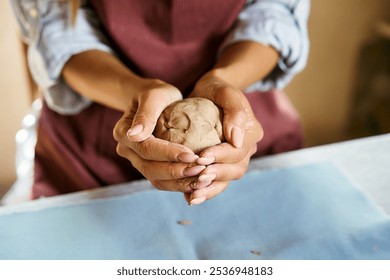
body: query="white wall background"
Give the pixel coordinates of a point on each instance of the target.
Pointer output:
(14, 90)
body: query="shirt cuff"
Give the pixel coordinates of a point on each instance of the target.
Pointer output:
(281, 26)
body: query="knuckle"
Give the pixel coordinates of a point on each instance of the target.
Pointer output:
(242, 115)
(118, 132)
(253, 150)
(144, 149)
(144, 168)
(141, 117)
(174, 171)
(157, 184)
(226, 92)
(127, 153)
(260, 131)
(169, 151)
(119, 149)
(241, 170)
(115, 133)
(150, 94)
(185, 185)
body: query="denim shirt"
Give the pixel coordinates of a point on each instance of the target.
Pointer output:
(52, 39)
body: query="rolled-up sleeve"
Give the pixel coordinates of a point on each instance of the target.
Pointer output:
(52, 39)
(281, 24)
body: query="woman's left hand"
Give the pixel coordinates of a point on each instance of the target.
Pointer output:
(228, 160)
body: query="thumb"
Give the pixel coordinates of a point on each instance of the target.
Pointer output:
(234, 125)
(150, 107)
(234, 115)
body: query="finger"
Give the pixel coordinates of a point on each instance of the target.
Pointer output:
(224, 152)
(150, 106)
(184, 185)
(123, 125)
(199, 196)
(159, 170)
(231, 101)
(234, 115)
(152, 148)
(156, 149)
(226, 172)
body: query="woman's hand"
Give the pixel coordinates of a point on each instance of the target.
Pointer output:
(229, 160)
(166, 165)
(239, 65)
(102, 77)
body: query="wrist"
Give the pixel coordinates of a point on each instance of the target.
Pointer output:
(131, 86)
(224, 74)
(244, 63)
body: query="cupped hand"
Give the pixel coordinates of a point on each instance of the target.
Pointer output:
(229, 160)
(168, 166)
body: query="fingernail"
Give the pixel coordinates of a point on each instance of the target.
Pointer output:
(207, 177)
(194, 170)
(187, 157)
(135, 130)
(206, 160)
(198, 200)
(237, 136)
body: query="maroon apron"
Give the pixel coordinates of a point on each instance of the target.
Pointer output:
(172, 40)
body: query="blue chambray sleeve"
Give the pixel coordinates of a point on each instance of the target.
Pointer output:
(281, 24)
(52, 39)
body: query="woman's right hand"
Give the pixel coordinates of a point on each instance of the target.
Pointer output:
(168, 166)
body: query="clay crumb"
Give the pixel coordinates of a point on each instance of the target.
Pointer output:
(184, 222)
(255, 252)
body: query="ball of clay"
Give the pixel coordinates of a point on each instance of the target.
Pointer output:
(193, 122)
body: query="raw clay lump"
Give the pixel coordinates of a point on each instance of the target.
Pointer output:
(193, 122)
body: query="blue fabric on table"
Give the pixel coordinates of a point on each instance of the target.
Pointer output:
(306, 212)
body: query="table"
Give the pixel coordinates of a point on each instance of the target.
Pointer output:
(327, 202)
(366, 161)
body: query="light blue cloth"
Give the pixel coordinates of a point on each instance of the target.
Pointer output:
(307, 212)
(46, 27)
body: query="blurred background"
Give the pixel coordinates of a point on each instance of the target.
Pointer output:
(344, 92)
